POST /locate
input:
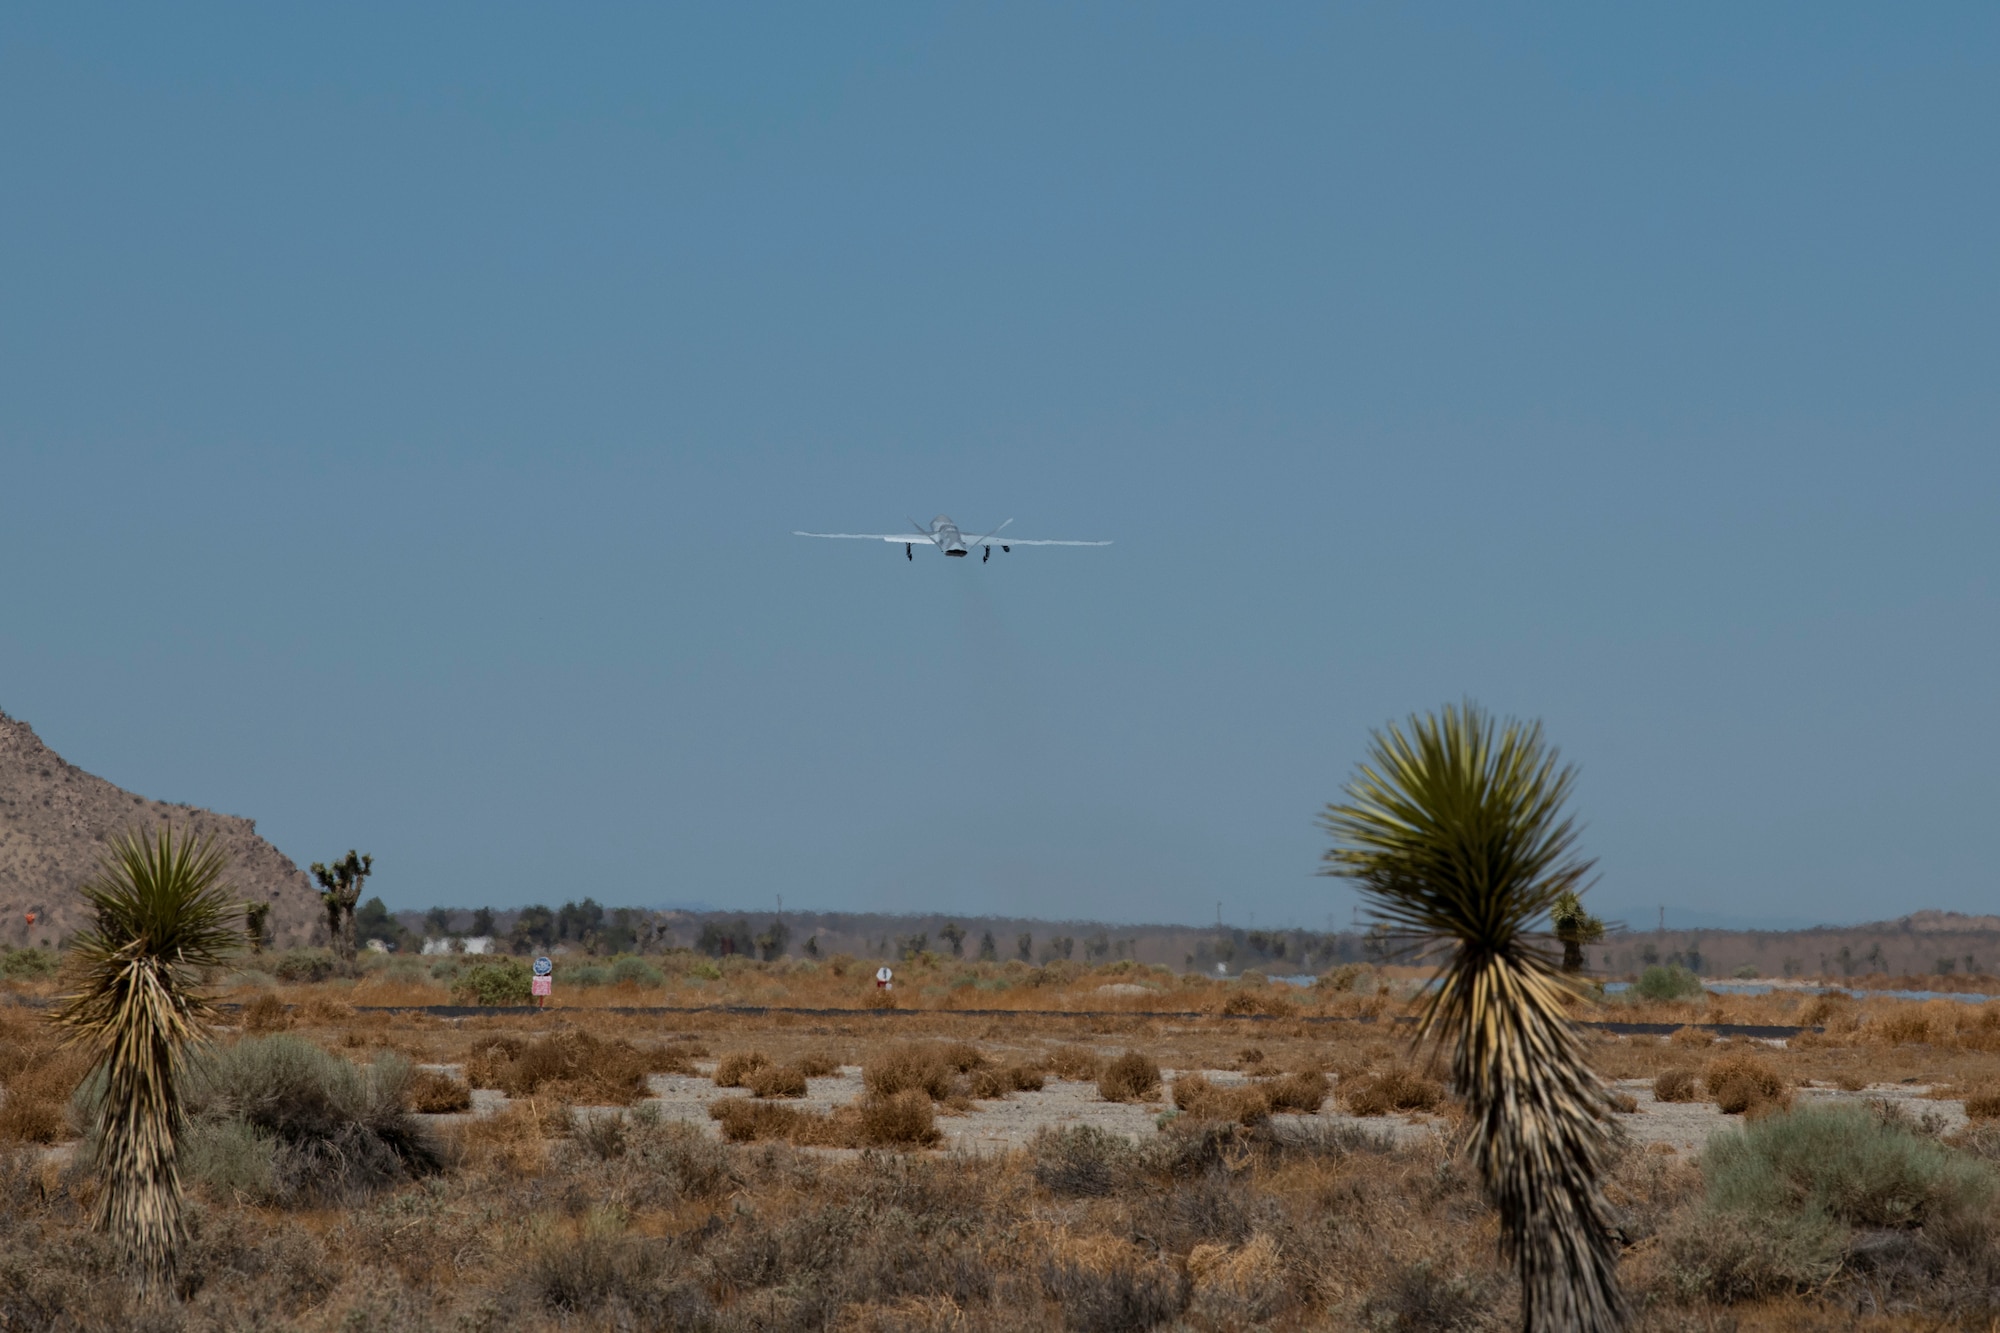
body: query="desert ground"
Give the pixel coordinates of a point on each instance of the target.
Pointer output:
(747, 1145)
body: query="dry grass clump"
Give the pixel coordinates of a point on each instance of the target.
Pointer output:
(266, 1013)
(1250, 1057)
(36, 1109)
(733, 1069)
(994, 1083)
(933, 1068)
(435, 1092)
(570, 1066)
(1079, 1064)
(321, 1009)
(817, 1064)
(900, 1120)
(1740, 1082)
(1690, 1036)
(776, 1081)
(1261, 1000)
(1983, 1103)
(1394, 1089)
(39, 1076)
(1247, 1104)
(1132, 1077)
(514, 1140)
(1302, 1093)
(1675, 1085)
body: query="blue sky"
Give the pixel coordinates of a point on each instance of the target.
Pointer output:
(404, 410)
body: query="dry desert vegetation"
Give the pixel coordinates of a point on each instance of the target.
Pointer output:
(1119, 1148)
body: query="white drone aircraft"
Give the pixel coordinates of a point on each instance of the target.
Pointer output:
(944, 534)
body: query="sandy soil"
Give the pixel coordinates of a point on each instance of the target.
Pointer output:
(1002, 1126)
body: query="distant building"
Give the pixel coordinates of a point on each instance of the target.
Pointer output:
(458, 944)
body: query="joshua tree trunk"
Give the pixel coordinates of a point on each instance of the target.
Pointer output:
(340, 922)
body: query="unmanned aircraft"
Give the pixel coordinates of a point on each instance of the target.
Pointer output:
(944, 534)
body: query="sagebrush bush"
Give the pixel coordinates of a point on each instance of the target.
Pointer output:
(736, 1066)
(1076, 1063)
(1132, 1077)
(1672, 982)
(996, 1082)
(1675, 1085)
(776, 1081)
(817, 1064)
(1723, 1257)
(336, 1130)
(29, 964)
(904, 1119)
(36, 1108)
(1739, 1081)
(633, 971)
(435, 1092)
(499, 981)
(305, 965)
(1080, 1162)
(1245, 1104)
(1301, 1093)
(1396, 1089)
(927, 1067)
(570, 1066)
(266, 1013)
(1847, 1162)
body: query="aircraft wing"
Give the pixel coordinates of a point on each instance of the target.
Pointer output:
(869, 536)
(1022, 541)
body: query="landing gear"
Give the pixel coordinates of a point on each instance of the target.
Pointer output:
(987, 556)
(906, 552)
(1004, 549)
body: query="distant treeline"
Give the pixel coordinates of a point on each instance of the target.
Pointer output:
(590, 927)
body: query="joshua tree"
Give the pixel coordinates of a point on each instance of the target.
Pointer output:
(340, 888)
(1575, 928)
(1455, 830)
(161, 919)
(989, 952)
(1024, 947)
(953, 935)
(256, 917)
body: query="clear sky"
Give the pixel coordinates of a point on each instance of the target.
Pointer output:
(404, 411)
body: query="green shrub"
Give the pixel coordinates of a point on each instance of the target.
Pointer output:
(28, 963)
(1795, 1198)
(1846, 1162)
(232, 1158)
(588, 974)
(334, 1129)
(1079, 1163)
(497, 981)
(637, 972)
(444, 969)
(297, 965)
(1668, 983)
(704, 969)
(1725, 1257)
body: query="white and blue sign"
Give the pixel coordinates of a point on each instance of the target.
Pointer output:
(543, 967)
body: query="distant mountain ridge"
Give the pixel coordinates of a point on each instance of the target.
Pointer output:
(56, 822)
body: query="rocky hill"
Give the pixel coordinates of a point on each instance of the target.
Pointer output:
(56, 821)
